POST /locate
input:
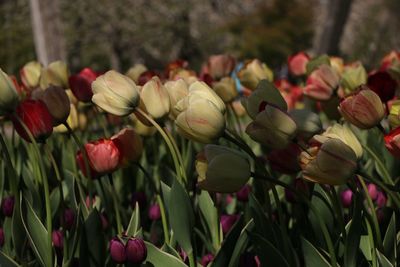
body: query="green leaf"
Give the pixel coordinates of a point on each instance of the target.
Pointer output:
(134, 223)
(55, 200)
(316, 62)
(268, 253)
(365, 246)
(181, 216)
(389, 241)
(241, 244)
(354, 236)
(312, 256)
(383, 261)
(210, 214)
(6, 261)
(18, 231)
(166, 192)
(159, 258)
(37, 234)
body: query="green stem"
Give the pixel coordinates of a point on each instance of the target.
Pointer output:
(163, 219)
(180, 159)
(116, 206)
(371, 239)
(378, 161)
(192, 262)
(13, 178)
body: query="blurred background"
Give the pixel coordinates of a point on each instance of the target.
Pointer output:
(105, 34)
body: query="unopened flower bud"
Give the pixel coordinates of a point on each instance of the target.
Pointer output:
(81, 84)
(117, 250)
(135, 72)
(206, 259)
(226, 89)
(154, 212)
(243, 193)
(227, 221)
(321, 83)
(346, 197)
(136, 251)
(7, 206)
(155, 97)
(58, 239)
(56, 73)
(297, 63)
(30, 74)
(253, 72)
(57, 102)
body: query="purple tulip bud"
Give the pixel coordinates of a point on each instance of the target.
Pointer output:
(7, 206)
(227, 221)
(347, 197)
(58, 239)
(207, 259)
(381, 200)
(243, 194)
(140, 198)
(69, 218)
(1, 237)
(117, 250)
(380, 215)
(373, 191)
(154, 212)
(136, 250)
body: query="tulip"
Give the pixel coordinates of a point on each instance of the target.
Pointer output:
(364, 109)
(273, 128)
(321, 83)
(344, 134)
(36, 117)
(292, 94)
(202, 121)
(8, 94)
(353, 76)
(227, 221)
(175, 65)
(381, 200)
(141, 128)
(346, 197)
(145, 76)
(154, 212)
(382, 84)
(117, 250)
(129, 144)
(1, 237)
(220, 66)
(390, 60)
(136, 251)
(177, 90)
(372, 191)
(206, 259)
(155, 97)
(243, 193)
(394, 114)
(140, 198)
(226, 89)
(115, 93)
(30, 74)
(58, 239)
(135, 72)
(320, 164)
(57, 102)
(188, 76)
(81, 84)
(337, 64)
(265, 93)
(285, 160)
(392, 142)
(72, 120)
(55, 74)
(308, 123)
(7, 206)
(222, 169)
(69, 218)
(253, 72)
(103, 157)
(297, 63)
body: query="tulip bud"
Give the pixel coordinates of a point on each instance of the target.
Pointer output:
(129, 144)
(364, 109)
(155, 97)
(1, 237)
(343, 133)
(285, 160)
(115, 93)
(346, 197)
(321, 83)
(58, 239)
(36, 117)
(394, 114)
(227, 221)
(7, 206)
(243, 193)
(273, 128)
(140, 198)
(381, 199)
(372, 191)
(253, 72)
(308, 123)
(103, 157)
(81, 84)
(220, 66)
(117, 250)
(320, 164)
(69, 218)
(30, 74)
(135, 72)
(8, 94)
(72, 120)
(175, 65)
(222, 169)
(206, 259)
(226, 89)
(57, 102)
(154, 212)
(145, 76)
(55, 74)
(136, 251)
(353, 76)
(297, 63)
(177, 90)
(392, 142)
(382, 84)
(337, 64)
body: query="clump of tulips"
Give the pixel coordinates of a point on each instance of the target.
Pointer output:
(227, 166)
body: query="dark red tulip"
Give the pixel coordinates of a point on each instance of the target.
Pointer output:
(392, 142)
(243, 194)
(58, 239)
(81, 84)
(227, 221)
(382, 84)
(373, 191)
(145, 77)
(381, 200)
(117, 250)
(1, 237)
(154, 212)
(206, 259)
(136, 251)
(7, 206)
(37, 118)
(346, 197)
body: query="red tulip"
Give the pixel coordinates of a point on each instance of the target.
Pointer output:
(176, 64)
(298, 63)
(103, 158)
(145, 77)
(382, 84)
(129, 144)
(36, 117)
(392, 142)
(390, 59)
(321, 83)
(220, 65)
(81, 84)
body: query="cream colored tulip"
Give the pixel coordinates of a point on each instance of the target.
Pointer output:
(155, 97)
(226, 89)
(202, 90)
(30, 74)
(72, 120)
(140, 128)
(115, 93)
(222, 169)
(56, 73)
(394, 114)
(135, 72)
(353, 76)
(9, 98)
(177, 90)
(253, 72)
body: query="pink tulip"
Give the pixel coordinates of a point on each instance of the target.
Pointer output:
(298, 63)
(321, 83)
